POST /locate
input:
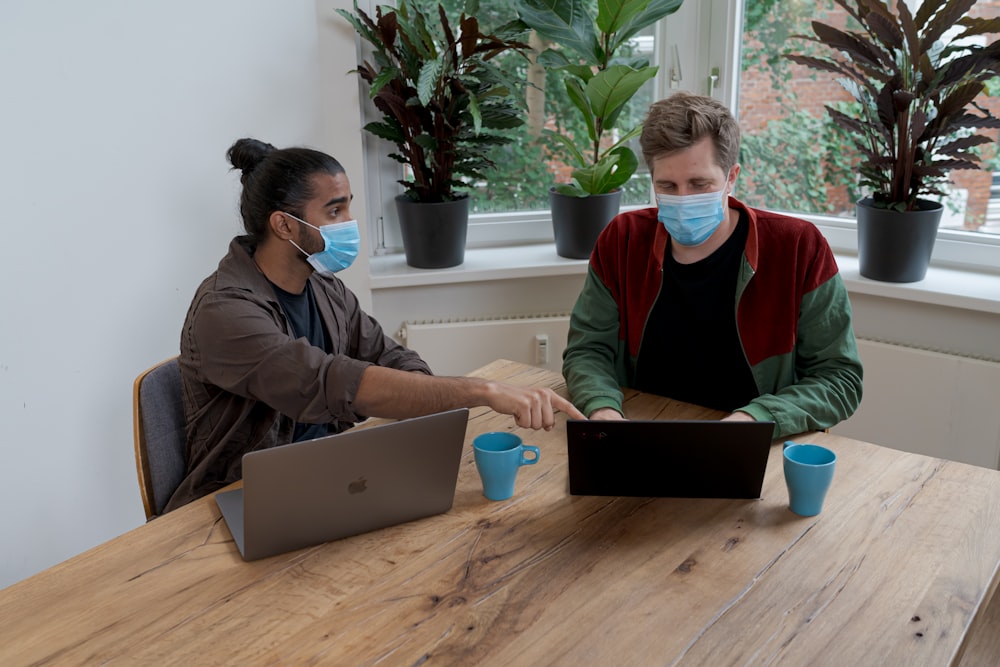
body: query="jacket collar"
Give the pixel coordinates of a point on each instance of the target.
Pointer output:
(751, 250)
(237, 270)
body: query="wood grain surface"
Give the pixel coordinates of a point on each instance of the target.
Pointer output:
(895, 571)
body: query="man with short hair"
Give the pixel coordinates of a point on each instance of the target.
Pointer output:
(706, 300)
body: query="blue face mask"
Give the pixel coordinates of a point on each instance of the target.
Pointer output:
(691, 219)
(341, 243)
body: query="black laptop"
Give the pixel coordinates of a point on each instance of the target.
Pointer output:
(674, 459)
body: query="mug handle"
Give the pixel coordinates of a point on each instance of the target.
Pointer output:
(526, 461)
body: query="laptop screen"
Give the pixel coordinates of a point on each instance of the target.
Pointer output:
(679, 459)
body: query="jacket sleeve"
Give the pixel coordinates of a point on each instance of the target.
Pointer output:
(827, 369)
(593, 351)
(239, 343)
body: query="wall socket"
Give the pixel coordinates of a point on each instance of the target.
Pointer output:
(541, 349)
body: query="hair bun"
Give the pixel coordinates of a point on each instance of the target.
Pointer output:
(247, 153)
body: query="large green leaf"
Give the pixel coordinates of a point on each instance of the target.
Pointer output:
(609, 173)
(610, 90)
(592, 179)
(654, 11)
(613, 14)
(565, 22)
(581, 101)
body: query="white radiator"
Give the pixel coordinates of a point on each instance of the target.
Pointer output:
(916, 400)
(929, 402)
(457, 347)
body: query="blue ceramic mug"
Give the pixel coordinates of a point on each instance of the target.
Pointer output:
(808, 474)
(499, 456)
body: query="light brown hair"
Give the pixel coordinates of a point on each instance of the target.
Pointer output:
(682, 120)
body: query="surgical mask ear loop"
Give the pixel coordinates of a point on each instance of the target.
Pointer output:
(297, 246)
(304, 223)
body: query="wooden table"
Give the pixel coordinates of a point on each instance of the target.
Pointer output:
(895, 571)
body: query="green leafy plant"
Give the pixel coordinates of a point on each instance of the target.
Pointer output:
(444, 103)
(603, 78)
(916, 94)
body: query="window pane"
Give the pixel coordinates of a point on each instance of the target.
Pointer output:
(532, 163)
(793, 157)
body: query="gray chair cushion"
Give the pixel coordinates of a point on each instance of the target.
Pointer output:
(162, 409)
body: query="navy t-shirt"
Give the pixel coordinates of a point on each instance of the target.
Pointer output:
(303, 316)
(690, 348)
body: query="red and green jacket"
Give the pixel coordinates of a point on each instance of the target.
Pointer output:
(792, 313)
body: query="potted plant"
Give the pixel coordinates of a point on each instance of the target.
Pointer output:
(600, 83)
(916, 118)
(444, 105)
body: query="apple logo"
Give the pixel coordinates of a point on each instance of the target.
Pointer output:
(359, 485)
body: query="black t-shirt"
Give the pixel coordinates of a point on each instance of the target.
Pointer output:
(690, 348)
(304, 318)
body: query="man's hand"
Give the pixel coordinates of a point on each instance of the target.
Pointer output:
(531, 407)
(395, 394)
(607, 414)
(738, 417)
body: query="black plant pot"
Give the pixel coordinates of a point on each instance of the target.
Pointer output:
(896, 246)
(433, 233)
(578, 221)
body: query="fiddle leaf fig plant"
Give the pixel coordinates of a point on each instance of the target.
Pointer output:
(601, 82)
(915, 90)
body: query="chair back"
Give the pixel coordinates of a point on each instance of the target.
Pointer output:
(160, 441)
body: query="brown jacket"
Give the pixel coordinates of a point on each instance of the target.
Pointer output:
(247, 380)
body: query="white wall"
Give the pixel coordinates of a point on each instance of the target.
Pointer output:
(115, 118)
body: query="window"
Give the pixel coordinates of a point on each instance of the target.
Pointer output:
(512, 207)
(787, 130)
(729, 49)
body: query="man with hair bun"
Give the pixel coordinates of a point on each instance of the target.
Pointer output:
(276, 349)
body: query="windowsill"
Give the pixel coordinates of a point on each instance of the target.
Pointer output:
(481, 264)
(955, 288)
(950, 287)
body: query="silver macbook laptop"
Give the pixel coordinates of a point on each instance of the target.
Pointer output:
(674, 459)
(314, 491)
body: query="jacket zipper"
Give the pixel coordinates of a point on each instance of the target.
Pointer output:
(736, 317)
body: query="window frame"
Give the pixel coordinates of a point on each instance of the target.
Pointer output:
(688, 33)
